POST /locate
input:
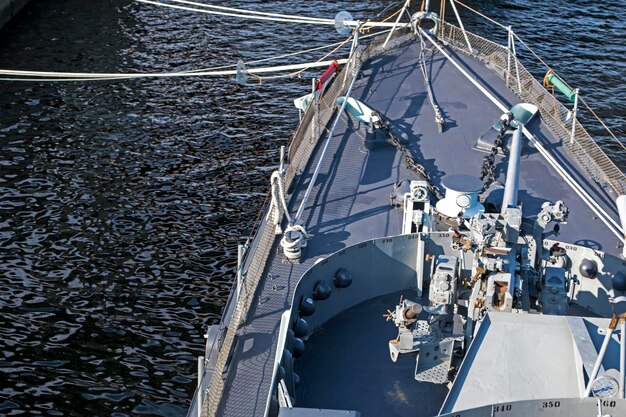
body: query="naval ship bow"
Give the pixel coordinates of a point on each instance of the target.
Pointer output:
(443, 239)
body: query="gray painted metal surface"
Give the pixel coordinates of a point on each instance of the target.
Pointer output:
(551, 407)
(315, 412)
(518, 357)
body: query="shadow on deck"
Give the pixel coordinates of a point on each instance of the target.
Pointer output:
(347, 366)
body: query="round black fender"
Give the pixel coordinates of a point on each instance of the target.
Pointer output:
(298, 347)
(281, 372)
(300, 327)
(289, 340)
(287, 363)
(343, 278)
(322, 290)
(307, 306)
(619, 281)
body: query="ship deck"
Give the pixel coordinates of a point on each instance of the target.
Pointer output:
(350, 203)
(350, 354)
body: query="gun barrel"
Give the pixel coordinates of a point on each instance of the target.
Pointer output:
(512, 174)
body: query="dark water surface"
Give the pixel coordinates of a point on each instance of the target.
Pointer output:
(122, 203)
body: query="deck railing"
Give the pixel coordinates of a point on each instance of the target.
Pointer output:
(554, 114)
(306, 138)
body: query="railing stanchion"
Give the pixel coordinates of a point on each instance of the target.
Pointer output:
(355, 39)
(574, 112)
(622, 357)
(458, 18)
(406, 5)
(200, 398)
(240, 280)
(514, 53)
(615, 320)
(508, 56)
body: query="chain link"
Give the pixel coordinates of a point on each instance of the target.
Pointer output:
(410, 162)
(488, 170)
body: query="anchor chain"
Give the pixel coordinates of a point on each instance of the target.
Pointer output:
(410, 162)
(436, 109)
(487, 171)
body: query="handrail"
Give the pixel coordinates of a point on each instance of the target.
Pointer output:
(328, 141)
(280, 346)
(580, 191)
(583, 148)
(514, 37)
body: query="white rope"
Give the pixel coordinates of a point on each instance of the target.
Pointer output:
(274, 58)
(80, 76)
(595, 207)
(245, 16)
(278, 205)
(71, 76)
(481, 15)
(56, 80)
(245, 11)
(248, 15)
(65, 77)
(293, 241)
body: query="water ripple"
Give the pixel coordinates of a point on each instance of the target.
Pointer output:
(122, 204)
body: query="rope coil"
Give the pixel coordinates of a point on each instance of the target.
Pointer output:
(293, 241)
(278, 205)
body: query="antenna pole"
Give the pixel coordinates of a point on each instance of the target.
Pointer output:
(458, 18)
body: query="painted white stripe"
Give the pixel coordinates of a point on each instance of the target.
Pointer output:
(595, 207)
